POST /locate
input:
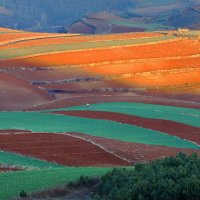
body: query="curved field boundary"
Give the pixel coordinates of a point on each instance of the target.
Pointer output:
(23, 36)
(148, 50)
(134, 152)
(180, 130)
(143, 65)
(40, 122)
(59, 148)
(186, 116)
(37, 50)
(63, 39)
(38, 180)
(149, 98)
(13, 159)
(37, 40)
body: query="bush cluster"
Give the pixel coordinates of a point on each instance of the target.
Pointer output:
(173, 178)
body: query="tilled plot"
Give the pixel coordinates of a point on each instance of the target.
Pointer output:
(59, 148)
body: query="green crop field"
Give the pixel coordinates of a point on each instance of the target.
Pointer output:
(12, 183)
(17, 160)
(44, 122)
(26, 51)
(179, 114)
(149, 27)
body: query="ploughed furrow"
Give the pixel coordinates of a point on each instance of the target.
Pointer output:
(170, 127)
(134, 152)
(143, 65)
(156, 50)
(64, 38)
(59, 148)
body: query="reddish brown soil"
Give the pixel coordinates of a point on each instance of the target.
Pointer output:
(173, 128)
(81, 27)
(59, 148)
(7, 169)
(135, 152)
(121, 29)
(83, 99)
(16, 94)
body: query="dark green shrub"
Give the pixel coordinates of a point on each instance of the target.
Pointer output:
(173, 178)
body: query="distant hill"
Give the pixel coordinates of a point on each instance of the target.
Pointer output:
(59, 15)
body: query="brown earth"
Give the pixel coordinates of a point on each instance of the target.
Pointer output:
(170, 127)
(17, 94)
(62, 149)
(135, 152)
(151, 98)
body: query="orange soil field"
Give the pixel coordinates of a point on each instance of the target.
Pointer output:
(134, 152)
(143, 65)
(62, 149)
(160, 79)
(157, 50)
(66, 39)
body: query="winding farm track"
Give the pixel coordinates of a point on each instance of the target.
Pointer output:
(62, 149)
(170, 127)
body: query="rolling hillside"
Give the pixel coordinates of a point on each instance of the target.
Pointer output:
(59, 66)
(43, 15)
(78, 105)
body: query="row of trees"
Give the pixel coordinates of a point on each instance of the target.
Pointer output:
(173, 178)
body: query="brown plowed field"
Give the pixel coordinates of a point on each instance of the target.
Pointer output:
(172, 128)
(121, 29)
(19, 94)
(59, 148)
(78, 99)
(135, 152)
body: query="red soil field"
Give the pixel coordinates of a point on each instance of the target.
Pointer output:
(83, 99)
(157, 50)
(100, 26)
(120, 29)
(51, 74)
(62, 149)
(166, 126)
(80, 27)
(134, 152)
(19, 94)
(69, 38)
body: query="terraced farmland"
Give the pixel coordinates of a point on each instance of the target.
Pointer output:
(75, 105)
